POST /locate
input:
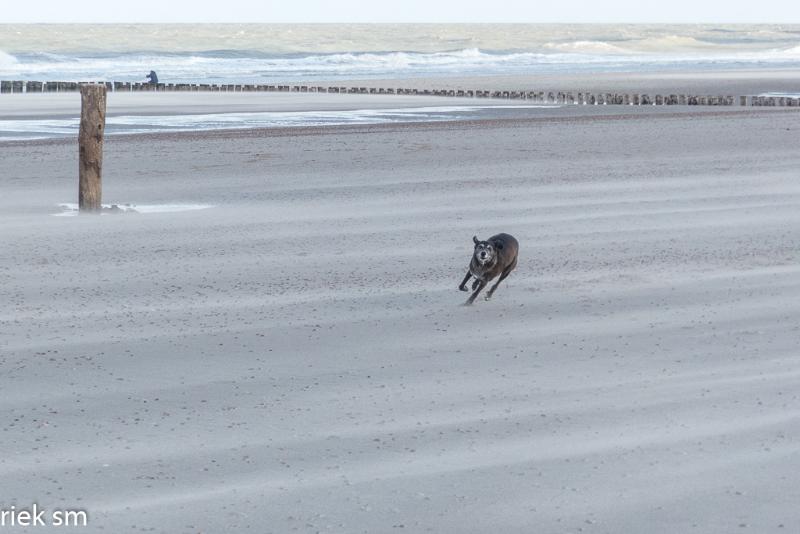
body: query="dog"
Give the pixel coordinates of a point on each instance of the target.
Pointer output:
(495, 256)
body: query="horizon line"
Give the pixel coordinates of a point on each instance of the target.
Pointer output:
(483, 23)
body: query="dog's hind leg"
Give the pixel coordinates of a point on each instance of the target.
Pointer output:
(463, 286)
(503, 276)
(471, 299)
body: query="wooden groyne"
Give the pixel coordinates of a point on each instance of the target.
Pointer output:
(542, 97)
(90, 148)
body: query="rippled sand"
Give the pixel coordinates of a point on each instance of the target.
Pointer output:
(297, 358)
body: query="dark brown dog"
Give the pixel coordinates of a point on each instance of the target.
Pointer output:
(496, 255)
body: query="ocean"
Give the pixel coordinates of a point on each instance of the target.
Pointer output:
(264, 53)
(286, 53)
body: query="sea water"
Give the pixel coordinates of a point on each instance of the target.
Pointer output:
(264, 53)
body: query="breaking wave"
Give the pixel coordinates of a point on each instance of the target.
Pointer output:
(221, 67)
(7, 60)
(511, 50)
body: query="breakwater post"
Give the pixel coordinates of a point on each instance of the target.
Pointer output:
(550, 97)
(90, 147)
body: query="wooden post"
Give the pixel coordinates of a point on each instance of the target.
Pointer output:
(90, 147)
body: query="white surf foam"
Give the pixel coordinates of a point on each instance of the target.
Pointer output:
(781, 95)
(248, 66)
(71, 210)
(7, 60)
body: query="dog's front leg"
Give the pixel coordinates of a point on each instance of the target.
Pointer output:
(471, 299)
(463, 286)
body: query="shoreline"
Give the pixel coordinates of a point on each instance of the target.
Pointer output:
(574, 114)
(29, 118)
(67, 105)
(679, 80)
(742, 81)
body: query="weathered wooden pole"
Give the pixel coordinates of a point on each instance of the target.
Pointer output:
(90, 148)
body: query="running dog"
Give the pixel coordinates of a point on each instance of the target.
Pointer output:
(496, 255)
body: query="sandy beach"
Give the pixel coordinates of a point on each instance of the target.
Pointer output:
(297, 358)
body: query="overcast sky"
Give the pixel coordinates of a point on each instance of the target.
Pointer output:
(691, 11)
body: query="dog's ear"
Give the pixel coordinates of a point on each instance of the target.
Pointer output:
(475, 239)
(498, 246)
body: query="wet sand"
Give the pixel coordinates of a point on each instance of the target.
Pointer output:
(61, 105)
(55, 105)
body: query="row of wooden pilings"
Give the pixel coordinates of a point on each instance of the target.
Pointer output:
(550, 97)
